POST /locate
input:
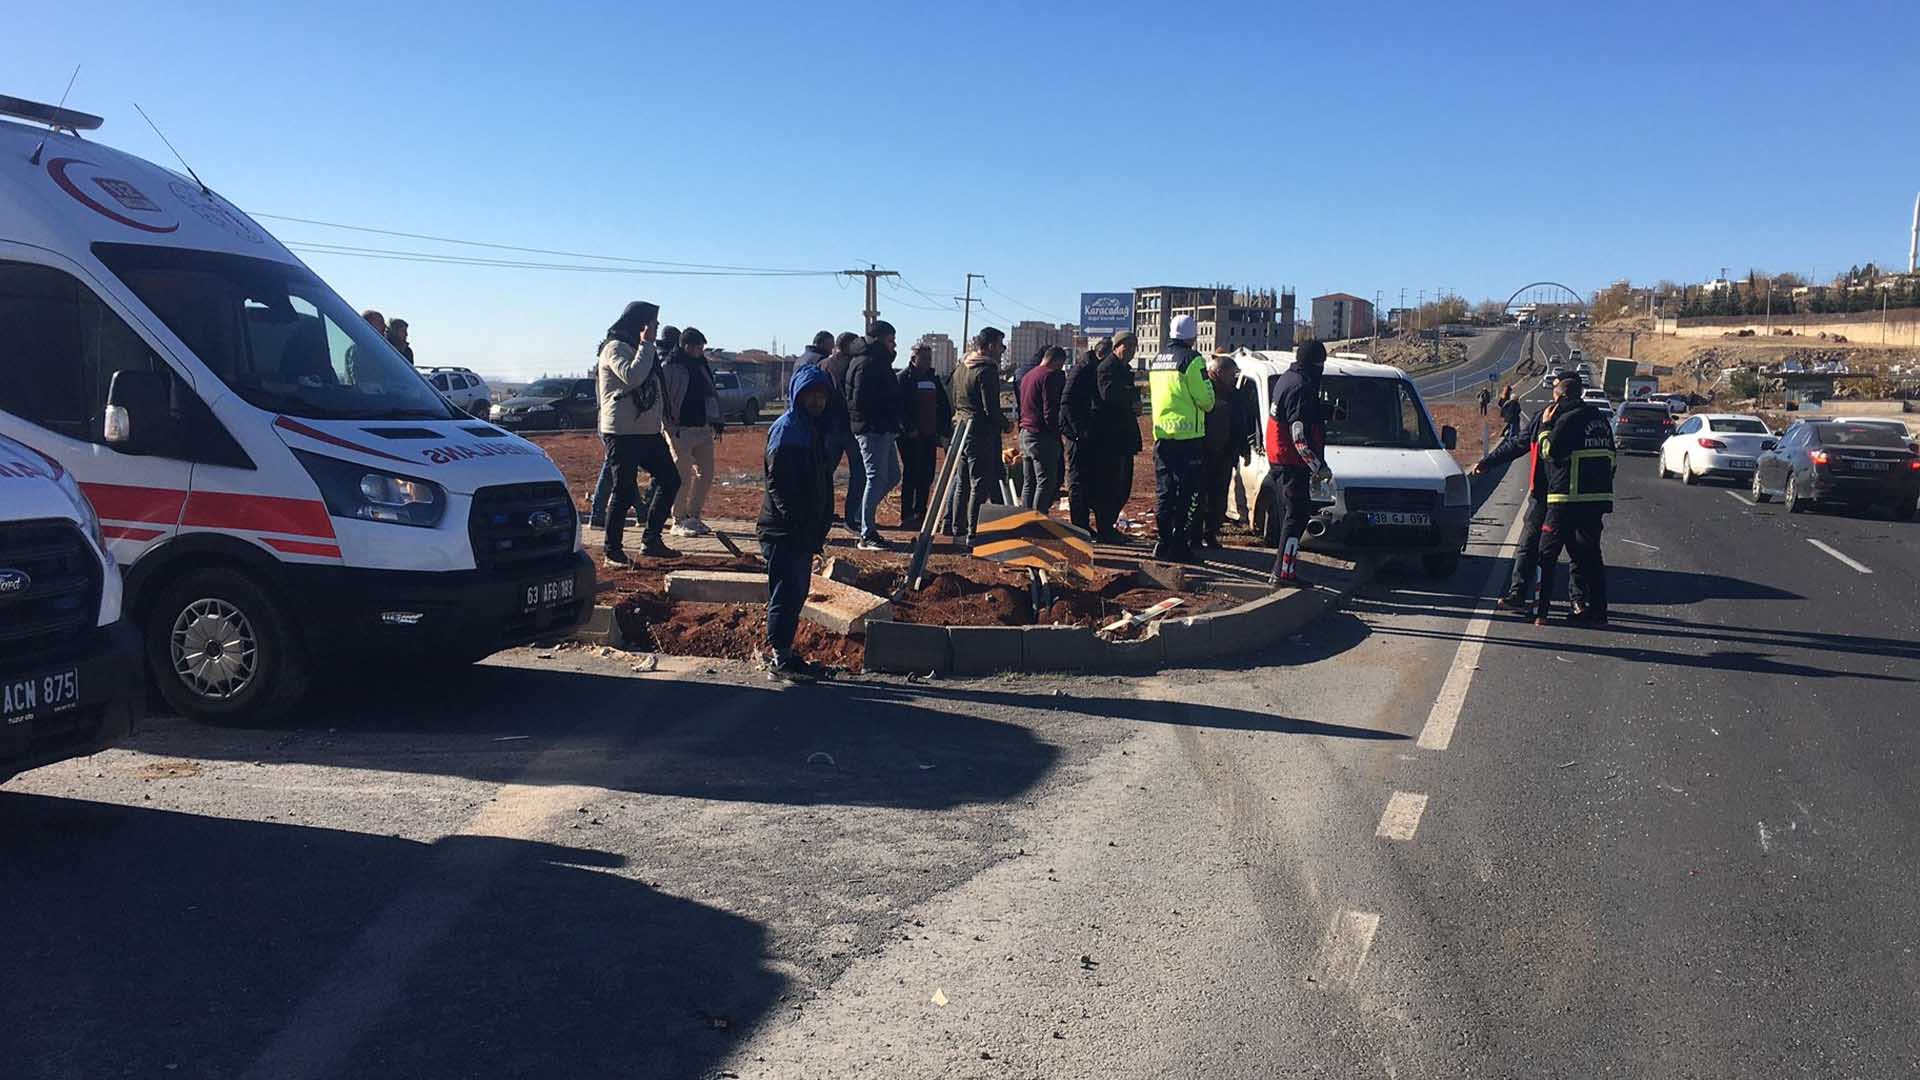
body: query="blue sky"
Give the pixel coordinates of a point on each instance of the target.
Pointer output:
(1053, 147)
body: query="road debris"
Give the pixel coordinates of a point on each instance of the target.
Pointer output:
(1566, 765)
(820, 757)
(939, 997)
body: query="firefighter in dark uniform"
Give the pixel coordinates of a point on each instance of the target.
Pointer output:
(1525, 440)
(1577, 448)
(1296, 454)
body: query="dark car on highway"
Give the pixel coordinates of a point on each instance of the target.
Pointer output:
(550, 405)
(1642, 427)
(1858, 465)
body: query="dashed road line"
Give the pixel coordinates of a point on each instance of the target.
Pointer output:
(1402, 816)
(1438, 732)
(1348, 942)
(1842, 556)
(1739, 498)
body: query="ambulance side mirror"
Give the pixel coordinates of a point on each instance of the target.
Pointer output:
(138, 416)
(1449, 438)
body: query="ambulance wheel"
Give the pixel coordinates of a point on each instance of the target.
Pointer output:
(223, 651)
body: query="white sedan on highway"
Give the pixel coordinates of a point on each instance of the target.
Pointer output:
(1715, 444)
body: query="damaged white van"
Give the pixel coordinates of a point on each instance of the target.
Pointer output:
(282, 490)
(1396, 488)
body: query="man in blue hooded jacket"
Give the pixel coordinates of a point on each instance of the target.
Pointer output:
(795, 512)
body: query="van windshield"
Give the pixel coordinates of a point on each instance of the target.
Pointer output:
(275, 334)
(1364, 411)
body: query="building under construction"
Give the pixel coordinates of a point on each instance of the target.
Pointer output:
(1226, 318)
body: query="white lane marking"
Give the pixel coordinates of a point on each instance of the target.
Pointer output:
(1843, 557)
(1348, 942)
(1737, 497)
(1402, 816)
(1438, 732)
(1766, 838)
(1637, 543)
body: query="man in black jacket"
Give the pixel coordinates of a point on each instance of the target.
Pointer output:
(1076, 423)
(926, 424)
(873, 413)
(795, 511)
(1116, 430)
(1578, 452)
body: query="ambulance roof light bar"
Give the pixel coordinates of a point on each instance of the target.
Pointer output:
(51, 115)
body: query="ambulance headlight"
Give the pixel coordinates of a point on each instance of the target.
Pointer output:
(367, 494)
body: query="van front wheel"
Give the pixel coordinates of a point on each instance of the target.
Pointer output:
(222, 651)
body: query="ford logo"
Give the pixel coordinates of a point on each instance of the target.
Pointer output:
(14, 581)
(540, 519)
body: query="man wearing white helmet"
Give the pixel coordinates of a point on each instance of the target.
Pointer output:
(1182, 396)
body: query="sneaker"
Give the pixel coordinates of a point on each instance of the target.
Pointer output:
(873, 542)
(696, 527)
(679, 530)
(616, 557)
(792, 669)
(1284, 581)
(655, 548)
(1587, 617)
(1514, 602)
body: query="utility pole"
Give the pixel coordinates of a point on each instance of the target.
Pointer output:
(966, 316)
(873, 274)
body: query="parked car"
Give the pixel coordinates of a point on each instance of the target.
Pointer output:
(1396, 489)
(1841, 461)
(1715, 444)
(467, 391)
(738, 397)
(550, 405)
(70, 677)
(1642, 426)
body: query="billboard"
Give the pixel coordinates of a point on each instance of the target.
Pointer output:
(1103, 314)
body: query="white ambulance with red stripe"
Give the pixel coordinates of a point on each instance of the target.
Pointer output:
(283, 491)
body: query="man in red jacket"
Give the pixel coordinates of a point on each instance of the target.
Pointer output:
(1296, 449)
(1040, 448)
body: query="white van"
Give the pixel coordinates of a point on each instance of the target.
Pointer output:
(1396, 489)
(69, 664)
(282, 490)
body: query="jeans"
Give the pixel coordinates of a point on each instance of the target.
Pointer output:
(629, 454)
(693, 456)
(1039, 470)
(976, 481)
(916, 480)
(1526, 557)
(602, 491)
(789, 577)
(856, 486)
(1176, 474)
(880, 466)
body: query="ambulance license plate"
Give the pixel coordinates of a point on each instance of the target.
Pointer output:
(40, 695)
(1399, 517)
(541, 594)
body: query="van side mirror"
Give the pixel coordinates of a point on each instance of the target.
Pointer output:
(1449, 438)
(138, 417)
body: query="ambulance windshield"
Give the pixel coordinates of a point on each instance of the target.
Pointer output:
(275, 334)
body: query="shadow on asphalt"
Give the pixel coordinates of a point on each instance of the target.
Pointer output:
(153, 943)
(1179, 713)
(660, 736)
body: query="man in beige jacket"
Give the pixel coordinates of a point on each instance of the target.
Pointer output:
(630, 424)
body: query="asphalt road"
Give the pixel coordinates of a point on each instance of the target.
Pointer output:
(1490, 352)
(1417, 840)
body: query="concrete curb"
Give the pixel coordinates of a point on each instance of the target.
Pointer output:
(905, 648)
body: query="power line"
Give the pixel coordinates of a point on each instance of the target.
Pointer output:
(917, 307)
(432, 258)
(1049, 314)
(532, 250)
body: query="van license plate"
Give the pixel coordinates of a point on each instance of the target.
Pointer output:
(1399, 517)
(41, 695)
(547, 593)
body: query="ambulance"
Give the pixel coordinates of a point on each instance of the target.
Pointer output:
(287, 499)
